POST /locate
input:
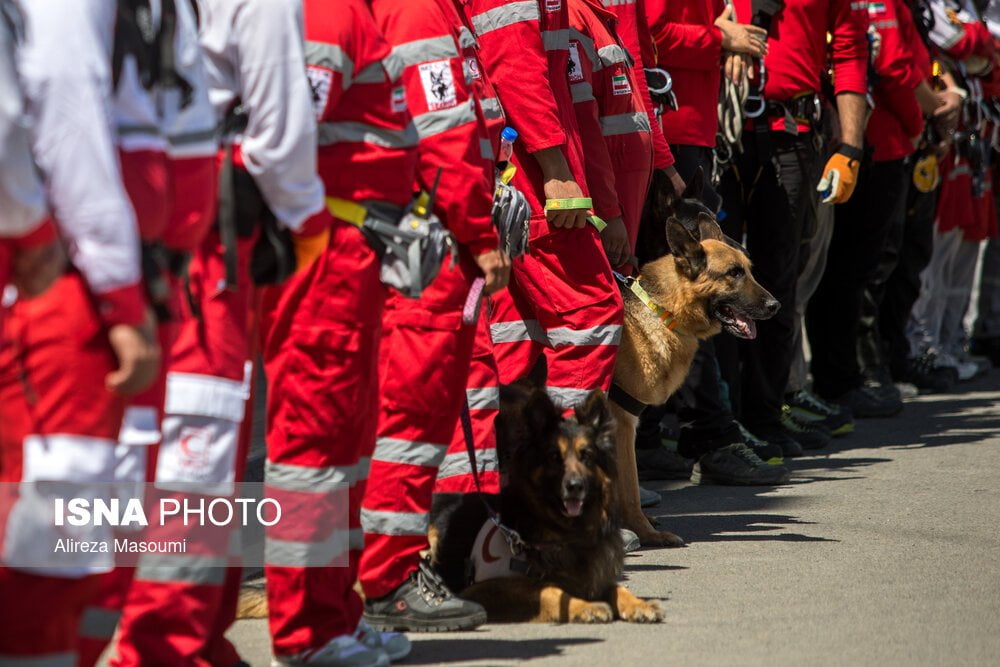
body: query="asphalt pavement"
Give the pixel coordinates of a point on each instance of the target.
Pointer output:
(884, 550)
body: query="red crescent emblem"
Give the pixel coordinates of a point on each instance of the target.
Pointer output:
(487, 556)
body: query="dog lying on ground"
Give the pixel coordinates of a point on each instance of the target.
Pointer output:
(704, 286)
(562, 562)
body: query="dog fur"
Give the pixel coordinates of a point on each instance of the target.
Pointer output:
(705, 279)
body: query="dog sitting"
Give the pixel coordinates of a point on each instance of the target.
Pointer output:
(556, 553)
(702, 287)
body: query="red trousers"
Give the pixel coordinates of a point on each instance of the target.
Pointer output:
(482, 392)
(562, 301)
(57, 422)
(423, 365)
(178, 608)
(321, 341)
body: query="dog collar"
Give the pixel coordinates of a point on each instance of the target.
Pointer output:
(662, 313)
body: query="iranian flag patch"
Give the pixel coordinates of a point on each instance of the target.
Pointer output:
(398, 100)
(619, 85)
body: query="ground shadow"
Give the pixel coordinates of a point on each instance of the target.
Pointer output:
(696, 528)
(476, 647)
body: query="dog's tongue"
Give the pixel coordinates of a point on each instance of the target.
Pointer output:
(746, 326)
(573, 506)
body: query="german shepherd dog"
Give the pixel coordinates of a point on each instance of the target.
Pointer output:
(702, 287)
(557, 554)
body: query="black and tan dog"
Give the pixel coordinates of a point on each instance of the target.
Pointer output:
(702, 287)
(562, 561)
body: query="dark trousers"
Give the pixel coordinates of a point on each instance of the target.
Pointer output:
(706, 422)
(903, 286)
(768, 200)
(833, 315)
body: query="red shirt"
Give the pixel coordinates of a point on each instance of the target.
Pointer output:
(688, 45)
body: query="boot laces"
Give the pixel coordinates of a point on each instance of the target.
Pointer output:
(431, 586)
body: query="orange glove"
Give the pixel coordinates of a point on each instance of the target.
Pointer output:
(840, 176)
(312, 239)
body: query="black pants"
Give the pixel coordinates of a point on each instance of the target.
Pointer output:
(833, 315)
(903, 286)
(706, 422)
(768, 200)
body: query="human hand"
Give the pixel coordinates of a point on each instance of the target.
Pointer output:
(557, 188)
(947, 112)
(37, 267)
(741, 37)
(495, 265)
(616, 244)
(138, 356)
(736, 67)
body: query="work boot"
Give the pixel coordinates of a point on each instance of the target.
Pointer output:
(924, 373)
(630, 540)
(811, 435)
(649, 498)
(986, 346)
(423, 603)
(342, 651)
(395, 644)
(736, 465)
(661, 463)
(808, 407)
(865, 403)
(768, 452)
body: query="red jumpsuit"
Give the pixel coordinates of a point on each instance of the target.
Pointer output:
(562, 299)
(322, 331)
(58, 422)
(604, 89)
(426, 348)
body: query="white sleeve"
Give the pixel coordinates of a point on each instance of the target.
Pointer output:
(22, 205)
(65, 67)
(279, 144)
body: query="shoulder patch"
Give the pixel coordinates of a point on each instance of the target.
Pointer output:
(320, 80)
(439, 84)
(553, 5)
(398, 99)
(620, 84)
(575, 68)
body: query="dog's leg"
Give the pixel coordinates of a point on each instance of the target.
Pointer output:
(523, 600)
(627, 485)
(633, 609)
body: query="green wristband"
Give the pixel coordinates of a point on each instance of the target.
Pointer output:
(572, 203)
(597, 223)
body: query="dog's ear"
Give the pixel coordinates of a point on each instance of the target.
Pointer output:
(595, 413)
(688, 254)
(708, 228)
(539, 414)
(694, 187)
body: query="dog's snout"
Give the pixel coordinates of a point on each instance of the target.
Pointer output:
(772, 306)
(573, 485)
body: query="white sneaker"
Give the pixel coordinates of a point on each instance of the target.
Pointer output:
(966, 369)
(395, 644)
(342, 651)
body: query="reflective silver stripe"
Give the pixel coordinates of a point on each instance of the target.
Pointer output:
(555, 40)
(332, 133)
(99, 623)
(505, 15)
(356, 538)
(486, 149)
(318, 480)
(582, 92)
(394, 523)
(465, 38)
(625, 123)
(424, 50)
(516, 331)
(588, 47)
(373, 73)
(491, 107)
(127, 130)
(435, 122)
(187, 569)
(567, 397)
(192, 137)
(483, 398)
(612, 54)
(960, 170)
(606, 334)
(410, 452)
(332, 57)
(457, 464)
(50, 660)
(286, 553)
(393, 66)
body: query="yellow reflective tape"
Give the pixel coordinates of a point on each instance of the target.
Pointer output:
(347, 210)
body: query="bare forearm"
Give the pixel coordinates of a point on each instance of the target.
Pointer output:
(553, 164)
(852, 109)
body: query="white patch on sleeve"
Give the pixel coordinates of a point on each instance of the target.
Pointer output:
(320, 80)
(439, 84)
(575, 68)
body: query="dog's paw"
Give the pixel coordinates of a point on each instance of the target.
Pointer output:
(593, 612)
(655, 538)
(645, 611)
